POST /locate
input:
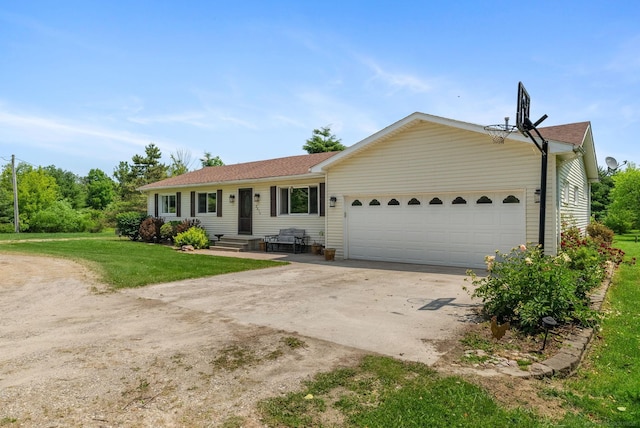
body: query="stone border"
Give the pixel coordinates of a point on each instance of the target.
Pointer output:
(573, 347)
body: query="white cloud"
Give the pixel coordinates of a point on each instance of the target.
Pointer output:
(398, 81)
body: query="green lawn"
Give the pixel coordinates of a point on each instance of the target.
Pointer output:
(123, 263)
(107, 233)
(607, 386)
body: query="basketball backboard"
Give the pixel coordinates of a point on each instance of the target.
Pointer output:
(522, 112)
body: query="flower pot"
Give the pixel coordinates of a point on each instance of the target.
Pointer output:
(262, 245)
(329, 253)
(316, 249)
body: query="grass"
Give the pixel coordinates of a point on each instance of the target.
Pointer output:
(122, 263)
(107, 233)
(607, 386)
(384, 392)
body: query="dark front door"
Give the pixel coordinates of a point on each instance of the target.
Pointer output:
(245, 221)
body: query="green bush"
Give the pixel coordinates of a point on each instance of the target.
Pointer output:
(620, 221)
(600, 232)
(194, 236)
(150, 229)
(59, 217)
(168, 231)
(128, 224)
(94, 220)
(7, 228)
(524, 285)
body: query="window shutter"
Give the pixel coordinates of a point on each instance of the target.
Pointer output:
(193, 204)
(219, 202)
(178, 204)
(322, 198)
(274, 201)
(155, 205)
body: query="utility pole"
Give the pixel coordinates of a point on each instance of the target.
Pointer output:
(16, 214)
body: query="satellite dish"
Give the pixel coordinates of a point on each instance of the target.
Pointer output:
(612, 164)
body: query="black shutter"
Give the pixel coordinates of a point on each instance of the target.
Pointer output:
(274, 201)
(178, 204)
(193, 204)
(322, 197)
(219, 202)
(155, 205)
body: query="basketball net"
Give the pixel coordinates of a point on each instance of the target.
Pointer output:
(498, 133)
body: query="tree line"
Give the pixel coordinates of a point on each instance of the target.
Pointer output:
(51, 199)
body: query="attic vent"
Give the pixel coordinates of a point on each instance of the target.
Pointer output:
(356, 203)
(374, 202)
(435, 201)
(484, 200)
(414, 201)
(459, 201)
(511, 200)
(393, 201)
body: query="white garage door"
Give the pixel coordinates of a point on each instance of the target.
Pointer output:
(445, 229)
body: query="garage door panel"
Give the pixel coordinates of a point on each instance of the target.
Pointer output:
(447, 234)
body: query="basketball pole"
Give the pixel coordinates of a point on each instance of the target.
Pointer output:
(544, 150)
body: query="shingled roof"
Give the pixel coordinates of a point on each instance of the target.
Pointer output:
(572, 133)
(281, 167)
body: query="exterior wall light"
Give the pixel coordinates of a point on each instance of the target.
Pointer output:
(232, 198)
(536, 196)
(332, 201)
(256, 198)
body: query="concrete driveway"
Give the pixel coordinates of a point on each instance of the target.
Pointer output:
(401, 310)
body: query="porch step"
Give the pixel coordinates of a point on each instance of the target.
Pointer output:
(237, 243)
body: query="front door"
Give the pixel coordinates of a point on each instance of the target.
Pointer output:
(245, 219)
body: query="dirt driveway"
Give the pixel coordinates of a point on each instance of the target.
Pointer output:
(198, 352)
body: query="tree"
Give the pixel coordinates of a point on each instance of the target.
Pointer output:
(100, 189)
(70, 186)
(143, 170)
(180, 162)
(37, 190)
(322, 140)
(601, 194)
(625, 200)
(207, 160)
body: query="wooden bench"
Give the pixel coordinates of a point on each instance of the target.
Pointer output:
(291, 237)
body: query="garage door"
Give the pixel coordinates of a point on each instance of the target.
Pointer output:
(445, 229)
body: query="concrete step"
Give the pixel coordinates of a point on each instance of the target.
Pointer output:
(228, 249)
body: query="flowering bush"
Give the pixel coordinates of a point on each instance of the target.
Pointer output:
(524, 285)
(194, 236)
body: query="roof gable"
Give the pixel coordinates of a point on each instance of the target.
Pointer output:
(272, 168)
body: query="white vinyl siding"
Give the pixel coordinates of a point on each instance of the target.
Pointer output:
(263, 224)
(432, 158)
(574, 208)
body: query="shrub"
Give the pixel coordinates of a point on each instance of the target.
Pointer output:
(524, 286)
(194, 236)
(168, 231)
(150, 229)
(94, 220)
(620, 221)
(59, 217)
(187, 224)
(600, 232)
(128, 224)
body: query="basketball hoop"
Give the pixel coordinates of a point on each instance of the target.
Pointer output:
(499, 132)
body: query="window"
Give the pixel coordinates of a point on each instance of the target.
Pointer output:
(484, 200)
(168, 204)
(459, 201)
(565, 192)
(576, 195)
(393, 201)
(299, 200)
(207, 203)
(435, 201)
(511, 200)
(414, 201)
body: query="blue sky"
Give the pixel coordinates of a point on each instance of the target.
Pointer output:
(87, 84)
